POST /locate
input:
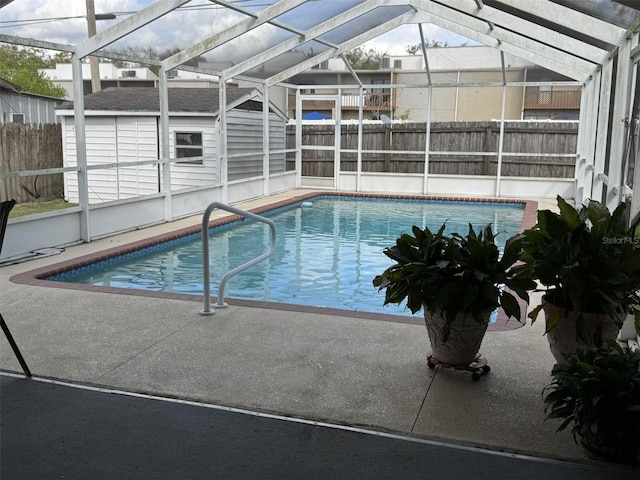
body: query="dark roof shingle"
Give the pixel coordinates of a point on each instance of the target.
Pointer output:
(147, 99)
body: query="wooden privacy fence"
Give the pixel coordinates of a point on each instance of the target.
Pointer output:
(26, 147)
(530, 149)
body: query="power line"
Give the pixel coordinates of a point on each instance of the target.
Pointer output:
(36, 21)
(204, 6)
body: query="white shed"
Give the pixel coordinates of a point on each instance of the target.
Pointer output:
(122, 126)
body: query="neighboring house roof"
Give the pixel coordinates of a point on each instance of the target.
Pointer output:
(187, 100)
(7, 86)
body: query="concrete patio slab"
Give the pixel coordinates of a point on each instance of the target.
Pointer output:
(342, 370)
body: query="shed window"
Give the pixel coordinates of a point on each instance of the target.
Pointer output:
(189, 147)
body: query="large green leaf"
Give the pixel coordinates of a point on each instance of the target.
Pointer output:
(550, 225)
(568, 213)
(512, 251)
(510, 305)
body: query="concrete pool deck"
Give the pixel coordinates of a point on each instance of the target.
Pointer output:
(341, 370)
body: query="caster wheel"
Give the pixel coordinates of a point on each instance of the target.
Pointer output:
(486, 369)
(431, 365)
(475, 376)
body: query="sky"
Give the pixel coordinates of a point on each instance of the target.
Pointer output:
(63, 21)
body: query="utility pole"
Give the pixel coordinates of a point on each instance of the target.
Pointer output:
(93, 61)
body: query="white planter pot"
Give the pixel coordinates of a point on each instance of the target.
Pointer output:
(562, 338)
(465, 338)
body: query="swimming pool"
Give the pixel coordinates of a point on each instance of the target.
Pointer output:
(326, 254)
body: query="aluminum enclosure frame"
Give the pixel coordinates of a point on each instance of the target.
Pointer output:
(573, 42)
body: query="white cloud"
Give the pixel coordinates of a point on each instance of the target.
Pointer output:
(180, 28)
(63, 30)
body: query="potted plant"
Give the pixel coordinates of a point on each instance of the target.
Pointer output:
(597, 391)
(587, 262)
(459, 281)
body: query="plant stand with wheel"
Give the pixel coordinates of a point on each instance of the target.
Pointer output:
(478, 368)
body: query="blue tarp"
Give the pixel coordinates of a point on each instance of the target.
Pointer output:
(566, 116)
(315, 116)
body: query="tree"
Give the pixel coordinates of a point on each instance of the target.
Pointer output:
(20, 66)
(361, 59)
(416, 48)
(151, 54)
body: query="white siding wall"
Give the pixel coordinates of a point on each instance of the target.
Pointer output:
(127, 139)
(277, 135)
(113, 140)
(69, 159)
(137, 140)
(186, 175)
(101, 148)
(244, 135)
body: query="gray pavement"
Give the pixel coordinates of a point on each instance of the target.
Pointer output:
(51, 430)
(345, 371)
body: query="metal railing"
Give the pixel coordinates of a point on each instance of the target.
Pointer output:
(205, 254)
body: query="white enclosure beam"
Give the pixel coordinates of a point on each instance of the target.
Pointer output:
(31, 42)
(571, 19)
(427, 142)
(229, 34)
(298, 139)
(501, 137)
(634, 146)
(337, 135)
(266, 147)
(291, 43)
(425, 57)
(602, 130)
(361, 92)
(514, 23)
(81, 148)
(61, 47)
(351, 70)
(538, 49)
(619, 126)
(165, 152)
(130, 24)
(557, 66)
(222, 150)
(344, 47)
(275, 23)
(582, 172)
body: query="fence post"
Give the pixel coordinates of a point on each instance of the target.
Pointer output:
(486, 147)
(387, 141)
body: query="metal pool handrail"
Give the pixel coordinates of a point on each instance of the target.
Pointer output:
(205, 254)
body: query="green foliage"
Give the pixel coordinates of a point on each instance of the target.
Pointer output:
(597, 391)
(587, 260)
(417, 48)
(361, 59)
(23, 209)
(406, 115)
(453, 274)
(150, 53)
(20, 66)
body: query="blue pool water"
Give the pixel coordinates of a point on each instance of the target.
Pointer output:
(326, 254)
